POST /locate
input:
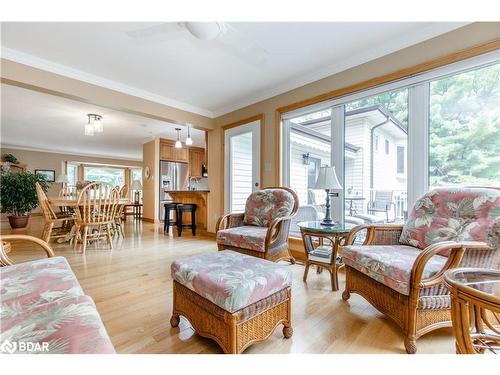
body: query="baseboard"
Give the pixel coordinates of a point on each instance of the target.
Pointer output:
(149, 220)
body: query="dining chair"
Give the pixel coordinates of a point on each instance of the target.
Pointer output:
(96, 209)
(51, 218)
(123, 193)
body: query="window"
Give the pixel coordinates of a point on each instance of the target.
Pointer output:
(400, 160)
(136, 174)
(72, 173)
(452, 114)
(464, 129)
(112, 175)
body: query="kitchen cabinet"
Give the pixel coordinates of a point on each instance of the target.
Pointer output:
(196, 159)
(170, 153)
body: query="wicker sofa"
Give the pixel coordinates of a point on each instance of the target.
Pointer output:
(44, 309)
(399, 269)
(262, 231)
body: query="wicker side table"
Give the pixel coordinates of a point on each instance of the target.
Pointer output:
(336, 236)
(475, 309)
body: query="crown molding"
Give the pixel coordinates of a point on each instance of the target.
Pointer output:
(386, 48)
(63, 70)
(69, 153)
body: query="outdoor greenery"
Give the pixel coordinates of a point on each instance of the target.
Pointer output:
(464, 139)
(18, 192)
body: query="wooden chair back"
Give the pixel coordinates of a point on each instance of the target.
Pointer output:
(97, 204)
(47, 210)
(68, 192)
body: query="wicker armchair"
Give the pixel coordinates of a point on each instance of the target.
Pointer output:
(399, 269)
(262, 231)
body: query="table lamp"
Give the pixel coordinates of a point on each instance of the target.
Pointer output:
(62, 179)
(327, 180)
(137, 186)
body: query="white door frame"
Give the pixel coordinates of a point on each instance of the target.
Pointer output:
(253, 127)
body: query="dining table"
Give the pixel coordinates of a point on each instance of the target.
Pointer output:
(73, 202)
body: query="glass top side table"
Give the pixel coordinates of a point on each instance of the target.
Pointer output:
(475, 309)
(324, 255)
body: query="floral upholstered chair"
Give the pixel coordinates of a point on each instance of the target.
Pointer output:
(262, 230)
(399, 268)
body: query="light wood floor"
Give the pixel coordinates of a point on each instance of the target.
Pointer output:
(132, 288)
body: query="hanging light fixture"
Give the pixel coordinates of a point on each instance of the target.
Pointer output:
(94, 124)
(178, 143)
(189, 140)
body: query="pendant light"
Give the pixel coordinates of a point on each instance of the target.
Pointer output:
(89, 126)
(189, 140)
(98, 127)
(178, 143)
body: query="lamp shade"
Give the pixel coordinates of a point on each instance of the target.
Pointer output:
(327, 179)
(62, 178)
(136, 185)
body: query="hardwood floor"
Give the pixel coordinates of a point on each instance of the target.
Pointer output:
(132, 288)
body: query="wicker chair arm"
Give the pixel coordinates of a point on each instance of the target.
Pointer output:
(457, 250)
(4, 259)
(230, 221)
(372, 230)
(275, 227)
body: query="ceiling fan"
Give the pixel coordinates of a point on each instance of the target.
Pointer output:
(218, 34)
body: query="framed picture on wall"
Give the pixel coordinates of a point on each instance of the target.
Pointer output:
(50, 175)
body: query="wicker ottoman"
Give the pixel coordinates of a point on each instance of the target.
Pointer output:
(235, 299)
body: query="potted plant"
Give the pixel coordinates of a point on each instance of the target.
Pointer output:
(18, 195)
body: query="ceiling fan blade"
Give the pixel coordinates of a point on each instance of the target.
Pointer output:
(242, 47)
(161, 28)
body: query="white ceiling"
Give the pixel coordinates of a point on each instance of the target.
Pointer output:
(39, 121)
(201, 76)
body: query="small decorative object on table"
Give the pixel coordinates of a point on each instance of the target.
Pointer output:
(327, 180)
(235, 299)
(325, 255)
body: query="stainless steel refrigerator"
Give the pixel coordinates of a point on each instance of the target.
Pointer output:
(173, 176)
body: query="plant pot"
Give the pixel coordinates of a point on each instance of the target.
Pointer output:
(17, 222)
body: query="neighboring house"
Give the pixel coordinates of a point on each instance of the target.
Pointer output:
(375, 155)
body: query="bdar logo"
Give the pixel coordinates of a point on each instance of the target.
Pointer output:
(8, 347)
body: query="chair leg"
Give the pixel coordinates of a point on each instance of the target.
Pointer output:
(306, 271)
(334, 280)
(48, 231)
(108, 235)
(84, 243)
(77, 236)
(410, 345)
(193, 222)
(179, 223)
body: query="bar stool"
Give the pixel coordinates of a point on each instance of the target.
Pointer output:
(186, 207)
(166, 220)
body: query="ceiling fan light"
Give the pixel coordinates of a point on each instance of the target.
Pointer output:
(204, 30)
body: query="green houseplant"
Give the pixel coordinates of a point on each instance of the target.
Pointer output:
(18, 195)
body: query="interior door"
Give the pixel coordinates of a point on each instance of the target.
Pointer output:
(242, 164)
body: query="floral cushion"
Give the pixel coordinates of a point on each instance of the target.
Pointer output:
(263, 206)
(389, 264)
(66, 325)
(35, 283)
(245, 237)
(451, 214)
(231, 280)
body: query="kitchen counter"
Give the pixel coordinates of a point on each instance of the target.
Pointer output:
(198, 197)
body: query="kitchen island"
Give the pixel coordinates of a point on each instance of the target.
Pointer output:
(198, 197)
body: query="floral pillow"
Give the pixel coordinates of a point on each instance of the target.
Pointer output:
(263, 206)
(451, 214)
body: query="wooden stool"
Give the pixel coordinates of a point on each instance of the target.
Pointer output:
(166, 220)
(186, 207)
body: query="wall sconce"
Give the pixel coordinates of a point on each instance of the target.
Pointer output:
(306, 160)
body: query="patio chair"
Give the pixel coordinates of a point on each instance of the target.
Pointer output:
(382, 203)
(262, 231)
(399, 269)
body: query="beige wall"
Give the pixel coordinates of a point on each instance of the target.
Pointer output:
(443, 45)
